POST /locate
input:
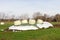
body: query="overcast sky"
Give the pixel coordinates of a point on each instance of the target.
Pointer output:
(19, 7)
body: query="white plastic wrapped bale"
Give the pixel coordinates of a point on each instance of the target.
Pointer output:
(2, 23)
(23, 28)
(32, 21)
(24, 21)
(39, 26)
(45, 25)
(48, 24)
(39, 21)
(18, 22)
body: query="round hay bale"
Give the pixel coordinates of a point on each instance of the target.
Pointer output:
(18, 22)
(32, 21)
(39, 21)
(24, 21)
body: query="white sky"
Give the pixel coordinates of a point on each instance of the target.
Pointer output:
(18, 7)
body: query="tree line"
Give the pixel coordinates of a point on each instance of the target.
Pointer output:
(37, 15)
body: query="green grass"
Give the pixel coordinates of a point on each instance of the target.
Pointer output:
(6, 25)
(40, 34)
(54, 23)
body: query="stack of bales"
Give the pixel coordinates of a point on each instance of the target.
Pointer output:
(24, 21)
(39, 21)
(32, 21)
(18, 22)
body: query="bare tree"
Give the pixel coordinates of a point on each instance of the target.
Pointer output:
(45, 17)
(57, 17)
(37, 15)
(24, 16)
(2, 15)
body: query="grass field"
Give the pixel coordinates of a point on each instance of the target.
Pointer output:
(41, 34)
